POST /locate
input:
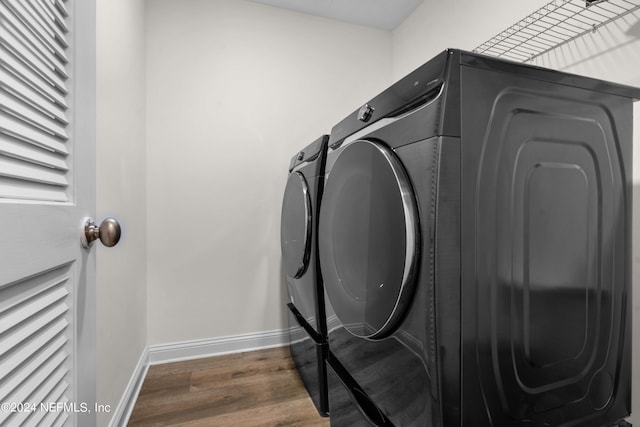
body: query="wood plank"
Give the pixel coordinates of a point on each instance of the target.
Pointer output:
(252, 388)
(225, 397)
(256, 367)
(291, 413)
(169, 384)
(194, 364)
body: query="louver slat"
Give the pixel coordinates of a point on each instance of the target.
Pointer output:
(55, 396)
(60, 420)
(54, 14)
(31, 97)
(16, 316)
(39, 385)
(20, 354)
(14, 128)
(48, 23)
(24, 55)
(30, 77)
(22, 190)
(22, 334)
(29, 116)
(17, 169)
(35, 346)
(33, 152)
(53, 372)
(36, 46)
(48, 370)
(31, 367)
(61, 7)
(25, 13)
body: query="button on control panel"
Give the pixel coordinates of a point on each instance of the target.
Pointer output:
(365, 113)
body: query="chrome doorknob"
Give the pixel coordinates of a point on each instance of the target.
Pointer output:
(108, 232)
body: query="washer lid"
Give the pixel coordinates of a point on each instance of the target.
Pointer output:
(368, 239)
(295, 226)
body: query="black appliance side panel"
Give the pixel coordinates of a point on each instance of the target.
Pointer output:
(447, 279)
(321, 314)
(434, 165)
(309, 356)
(344, 409)
(450, 111)
(350, 405)
(546, 252)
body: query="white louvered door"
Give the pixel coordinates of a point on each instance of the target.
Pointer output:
(47, 185)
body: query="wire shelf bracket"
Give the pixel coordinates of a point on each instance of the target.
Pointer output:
(556, 23)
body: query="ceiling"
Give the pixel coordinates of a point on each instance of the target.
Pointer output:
(382, 14)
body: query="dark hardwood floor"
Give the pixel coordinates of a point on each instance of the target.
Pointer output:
(260, 388)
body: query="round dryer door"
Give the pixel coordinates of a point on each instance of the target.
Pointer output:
(295, 226)
(368, 239)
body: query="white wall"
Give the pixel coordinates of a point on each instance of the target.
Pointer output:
(437, 25)
(234, 89)
(612, 53)
(121, 193)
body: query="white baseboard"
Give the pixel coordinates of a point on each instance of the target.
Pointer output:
(166, 353)
(186, 350)
(123, 411)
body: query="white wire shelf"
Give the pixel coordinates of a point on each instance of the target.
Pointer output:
(554, 24)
